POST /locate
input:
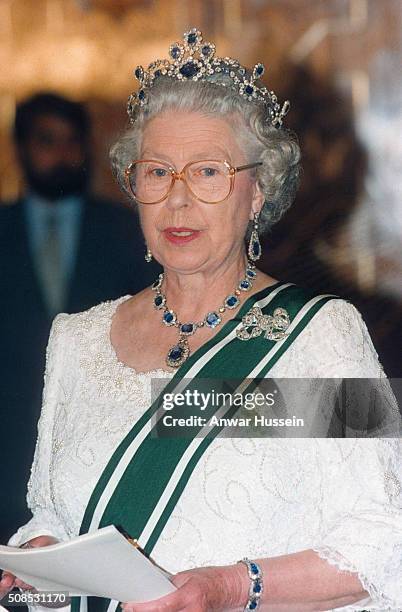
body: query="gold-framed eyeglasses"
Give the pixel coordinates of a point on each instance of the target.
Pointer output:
(209, 180)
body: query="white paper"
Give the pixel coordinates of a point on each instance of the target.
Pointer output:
(103, 564)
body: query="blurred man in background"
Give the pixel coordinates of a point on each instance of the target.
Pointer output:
(61, 250)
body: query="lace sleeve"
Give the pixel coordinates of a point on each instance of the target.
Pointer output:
(361, 528)
(45, 520)
(347, 343)
(335, 344)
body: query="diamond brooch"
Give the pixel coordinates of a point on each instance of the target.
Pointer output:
(254, 323)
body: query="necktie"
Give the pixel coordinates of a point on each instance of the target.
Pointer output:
(50, 264)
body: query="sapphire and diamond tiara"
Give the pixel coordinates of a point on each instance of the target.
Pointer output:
(195, 60)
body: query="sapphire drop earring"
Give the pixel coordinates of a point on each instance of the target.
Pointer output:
(254, 247)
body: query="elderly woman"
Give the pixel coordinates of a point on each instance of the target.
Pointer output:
(208, 162)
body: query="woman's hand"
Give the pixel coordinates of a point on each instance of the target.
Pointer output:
(199, 590)
(9, 581)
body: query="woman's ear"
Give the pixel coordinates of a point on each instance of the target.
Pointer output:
(257, 201)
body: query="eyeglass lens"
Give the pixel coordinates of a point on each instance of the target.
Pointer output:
(151, 181)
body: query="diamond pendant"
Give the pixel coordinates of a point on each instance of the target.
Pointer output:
(178, 354)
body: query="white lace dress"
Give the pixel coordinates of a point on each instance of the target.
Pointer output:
(246, 497)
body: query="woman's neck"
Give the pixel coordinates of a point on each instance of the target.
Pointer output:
(191, 296)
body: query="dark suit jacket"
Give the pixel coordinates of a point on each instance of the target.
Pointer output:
(109, 263)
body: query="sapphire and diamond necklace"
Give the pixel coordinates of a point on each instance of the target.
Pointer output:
(180, 352)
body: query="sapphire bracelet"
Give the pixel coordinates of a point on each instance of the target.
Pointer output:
(256, 585)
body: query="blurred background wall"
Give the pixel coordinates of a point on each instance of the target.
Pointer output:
(338, 61)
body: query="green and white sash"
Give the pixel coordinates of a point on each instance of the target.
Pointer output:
(146, 475)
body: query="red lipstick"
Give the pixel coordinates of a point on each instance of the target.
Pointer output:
(180, 235)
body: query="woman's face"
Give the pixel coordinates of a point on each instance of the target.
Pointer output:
(215, 232)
